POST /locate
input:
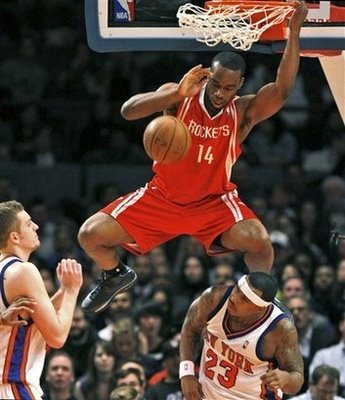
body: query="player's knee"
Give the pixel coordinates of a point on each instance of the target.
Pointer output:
(86, 234)
(258, 239)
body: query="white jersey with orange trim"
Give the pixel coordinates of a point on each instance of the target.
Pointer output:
(232, 363)
(206, 169)
(22, 353)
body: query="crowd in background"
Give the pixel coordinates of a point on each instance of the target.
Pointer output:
(60, 103)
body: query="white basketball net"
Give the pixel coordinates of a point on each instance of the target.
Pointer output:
(229, 23)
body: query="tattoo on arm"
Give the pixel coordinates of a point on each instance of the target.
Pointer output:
(195, 322)
(288, 354)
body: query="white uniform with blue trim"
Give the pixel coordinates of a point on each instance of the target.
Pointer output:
(231, 363)
(22, 353)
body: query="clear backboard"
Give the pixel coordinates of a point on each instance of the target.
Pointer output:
(111, 28)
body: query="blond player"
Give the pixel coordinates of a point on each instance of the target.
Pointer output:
(23, 347)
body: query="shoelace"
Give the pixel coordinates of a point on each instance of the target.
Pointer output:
(99, 285)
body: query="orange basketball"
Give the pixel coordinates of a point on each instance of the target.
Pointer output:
(166, 139)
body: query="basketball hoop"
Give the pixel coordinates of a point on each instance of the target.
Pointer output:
(239, 23)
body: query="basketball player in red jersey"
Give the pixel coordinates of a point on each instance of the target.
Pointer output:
(194, 196)
(250, 347)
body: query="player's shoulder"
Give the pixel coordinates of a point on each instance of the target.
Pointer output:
(283, 326)
(243, 101)
(214, 294)
(21, 268)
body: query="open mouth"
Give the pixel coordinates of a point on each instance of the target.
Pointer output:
(217, 103)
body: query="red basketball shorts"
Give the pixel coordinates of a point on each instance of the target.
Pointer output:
(151, 219)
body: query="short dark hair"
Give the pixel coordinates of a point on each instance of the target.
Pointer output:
(58, 353)
(230, 60)
(332, 374)
(123, 373)
(265, 283)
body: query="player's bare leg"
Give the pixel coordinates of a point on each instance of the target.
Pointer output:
(99, 236)
(251, 238)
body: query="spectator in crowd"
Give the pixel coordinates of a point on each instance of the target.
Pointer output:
(333, 198)
(282, 248)
(149, 319)
(194, 277)
(286, 272)
(131, 377)
(64, 242)
(98, 381)
(164, 276)
(159, 256)
(304, 261)
(136, 365)
(170, 386)
(144, 269)
(322, 289)
(313, 229)
(163, 297)
(59, 376)
(315, 332)
(223, 273)
(294, 286)
(333, 356)
(338, 295)
(131, 344)
(323, 385)
(80, 340)
(121, 306)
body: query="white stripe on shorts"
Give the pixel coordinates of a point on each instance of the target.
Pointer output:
(231, 203)
(128, 201)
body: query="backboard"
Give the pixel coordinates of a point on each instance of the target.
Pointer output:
(324, 29)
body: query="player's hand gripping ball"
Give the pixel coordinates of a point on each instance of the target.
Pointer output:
(166, 139)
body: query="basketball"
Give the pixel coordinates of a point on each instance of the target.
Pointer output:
(166, 139)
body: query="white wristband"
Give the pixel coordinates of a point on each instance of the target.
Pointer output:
(186, 368)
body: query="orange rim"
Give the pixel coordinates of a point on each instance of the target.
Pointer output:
(248, 3)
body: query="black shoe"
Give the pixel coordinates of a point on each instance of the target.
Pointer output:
(107, 288)
(283, 307)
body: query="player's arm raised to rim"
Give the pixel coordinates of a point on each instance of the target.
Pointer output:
(166, 97)
(289, 375)
(53, 324)
(271, 97)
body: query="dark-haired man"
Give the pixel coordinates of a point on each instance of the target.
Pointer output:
(194, 196)
(250, 348)
(59, 376)
(324, 385)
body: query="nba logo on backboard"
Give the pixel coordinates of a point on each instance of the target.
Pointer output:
(123, 10)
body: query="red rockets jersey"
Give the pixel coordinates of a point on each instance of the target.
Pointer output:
(206, 169)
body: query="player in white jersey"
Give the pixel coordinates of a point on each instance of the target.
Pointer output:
(23, 346)
(250, 347)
